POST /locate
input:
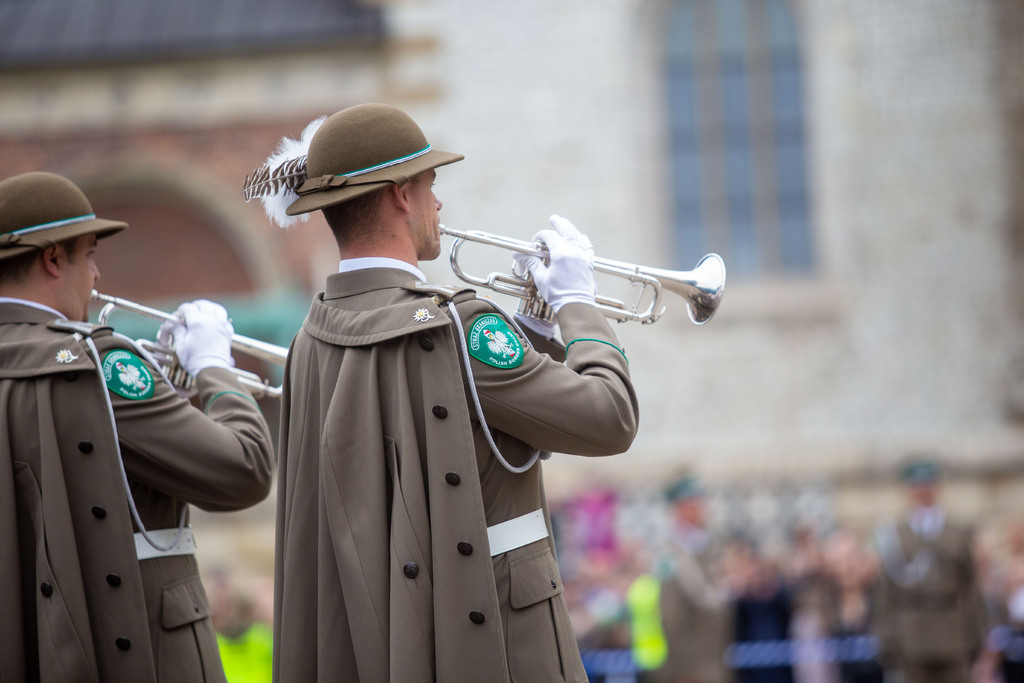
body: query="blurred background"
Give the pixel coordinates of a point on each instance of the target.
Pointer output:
(859, 165)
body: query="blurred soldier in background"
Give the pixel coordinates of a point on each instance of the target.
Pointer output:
(696, 612)
(930, 617)
(100, 460)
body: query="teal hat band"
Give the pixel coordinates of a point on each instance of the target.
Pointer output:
(52, 224)
(386, 164)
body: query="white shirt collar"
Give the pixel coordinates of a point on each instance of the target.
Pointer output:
(349, 265)
(33, 304)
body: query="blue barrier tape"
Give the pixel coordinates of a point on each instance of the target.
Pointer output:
(763, 654)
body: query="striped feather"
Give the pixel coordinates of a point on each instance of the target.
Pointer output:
(274, 183)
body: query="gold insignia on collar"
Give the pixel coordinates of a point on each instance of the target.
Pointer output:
(65, 356)
(422, 315)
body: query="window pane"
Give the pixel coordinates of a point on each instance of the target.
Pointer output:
(733, 82)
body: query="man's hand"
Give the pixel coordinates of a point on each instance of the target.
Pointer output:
(569, 275)
(202, 336)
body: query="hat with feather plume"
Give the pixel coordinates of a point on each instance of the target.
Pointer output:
(39, 209)
(354, 152)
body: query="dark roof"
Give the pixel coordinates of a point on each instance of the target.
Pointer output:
(55, 32)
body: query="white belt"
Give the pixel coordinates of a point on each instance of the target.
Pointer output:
(186, 545)
(515, 533)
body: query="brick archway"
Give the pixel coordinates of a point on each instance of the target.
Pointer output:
(173, 248)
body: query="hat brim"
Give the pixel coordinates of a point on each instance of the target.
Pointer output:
(42, 239)
(364, 184)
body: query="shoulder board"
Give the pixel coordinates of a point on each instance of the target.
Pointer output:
(75, 326)
(441, 293)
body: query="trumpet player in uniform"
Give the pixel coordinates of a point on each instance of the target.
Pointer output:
(413, 536)
(100, 459)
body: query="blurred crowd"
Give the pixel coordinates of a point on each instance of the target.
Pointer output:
(820, 608)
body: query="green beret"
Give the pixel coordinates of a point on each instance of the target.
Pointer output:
(683, 489)
(920, 472)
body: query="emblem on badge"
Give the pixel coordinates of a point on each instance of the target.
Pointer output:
(126, 375)
(422, 315)
(491, 341)
(65, 356)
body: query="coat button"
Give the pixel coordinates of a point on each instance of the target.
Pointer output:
(452, 478)
(411, 570)
(465, 548)
(114, 580)
(426, 343)
(46, 589)
(69, 376)
(440, 412)
(553, 584)
(85, 446)
(476, 617)
(99, 512)
(123, 643)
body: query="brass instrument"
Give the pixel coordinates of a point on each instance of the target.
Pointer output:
(702, 287)
(168, 361)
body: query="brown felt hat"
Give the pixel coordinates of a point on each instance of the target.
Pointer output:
(39, 209)
(362, 149)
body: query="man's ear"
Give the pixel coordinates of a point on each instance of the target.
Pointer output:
(400, 197)
(53, 258)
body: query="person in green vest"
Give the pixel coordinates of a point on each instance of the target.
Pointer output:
(648, 640)
(246, 643)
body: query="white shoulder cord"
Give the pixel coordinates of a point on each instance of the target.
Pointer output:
(120, 463)
(476, 399)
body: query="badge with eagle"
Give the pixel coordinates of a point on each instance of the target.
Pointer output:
(126, 375)
(492, 342)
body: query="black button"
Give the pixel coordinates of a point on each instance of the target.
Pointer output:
(465, 548)
(553, 584)
(123, 643)
(195, 607)
(452, 478)
(426, 343)
(476, 617)
(114, 580)
(69, 376)
(440, 412)
(99, 512)
(46, 589)
(85, 447)
(411, 570)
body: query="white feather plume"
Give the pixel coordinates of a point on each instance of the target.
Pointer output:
(276, 180)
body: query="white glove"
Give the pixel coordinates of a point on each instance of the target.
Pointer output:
(569, 276)
(202, 336)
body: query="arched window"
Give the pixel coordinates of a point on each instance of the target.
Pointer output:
(738, 150)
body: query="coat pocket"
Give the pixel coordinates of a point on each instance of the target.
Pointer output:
(183, 603)
(187, 645)
(533, 578)
(534, 645)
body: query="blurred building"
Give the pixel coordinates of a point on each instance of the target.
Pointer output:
(859, 164)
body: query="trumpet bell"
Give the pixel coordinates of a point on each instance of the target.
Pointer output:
(702, 287)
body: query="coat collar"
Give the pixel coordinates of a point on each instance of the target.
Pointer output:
(369, 306)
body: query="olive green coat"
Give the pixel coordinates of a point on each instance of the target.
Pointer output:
(929, 606)
(387, 487)
(79, 605)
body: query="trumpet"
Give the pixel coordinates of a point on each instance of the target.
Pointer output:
(702, 287)
(168, 361)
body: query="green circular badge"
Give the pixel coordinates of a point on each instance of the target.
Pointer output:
(126, 375)
(491, 341)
